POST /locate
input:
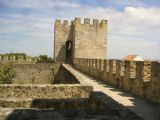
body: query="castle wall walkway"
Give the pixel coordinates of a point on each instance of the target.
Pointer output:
(138, 105)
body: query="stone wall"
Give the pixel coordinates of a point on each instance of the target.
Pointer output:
(41, 73)
(41, 96)
(61, 35)
(18, 62)
(90, 40)
(44, 91)
(95, 106)
(140, 78)
(20, 59)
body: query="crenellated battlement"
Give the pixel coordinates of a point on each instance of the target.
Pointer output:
(77, 21)
(59, 23)
(87, 21)
(138, 77)
(20, 59)
(132, 68)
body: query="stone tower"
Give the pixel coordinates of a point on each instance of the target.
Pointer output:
(80, 40)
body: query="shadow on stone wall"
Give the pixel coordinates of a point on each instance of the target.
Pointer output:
(135, 104)
(61, 57)
(97, 106)
(64, 76)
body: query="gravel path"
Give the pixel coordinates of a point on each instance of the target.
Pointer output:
(133, 103)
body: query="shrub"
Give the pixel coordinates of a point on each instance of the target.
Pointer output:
(6, 73)
(45, 59)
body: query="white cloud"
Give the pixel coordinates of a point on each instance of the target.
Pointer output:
(127, 2)
(132, 29)
(39, 3)
(132, 21)
(119, 46)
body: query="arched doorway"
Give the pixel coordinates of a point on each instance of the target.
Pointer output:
(69, 52)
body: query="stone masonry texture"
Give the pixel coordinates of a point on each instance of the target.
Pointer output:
(41, 73)
(44, 91)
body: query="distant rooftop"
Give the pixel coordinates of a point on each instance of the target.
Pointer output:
(133, 58)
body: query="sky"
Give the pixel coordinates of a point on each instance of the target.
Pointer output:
(133, 25)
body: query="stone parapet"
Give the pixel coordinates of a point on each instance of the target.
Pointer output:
(44, 91)
(142, 78)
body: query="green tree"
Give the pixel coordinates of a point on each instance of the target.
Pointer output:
(6, 73)
(45, 58)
